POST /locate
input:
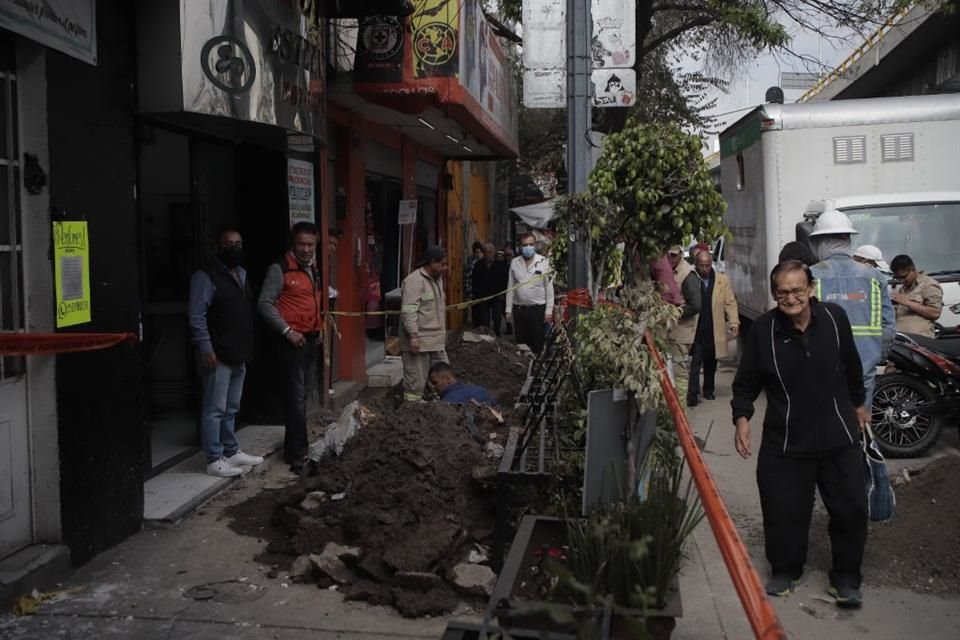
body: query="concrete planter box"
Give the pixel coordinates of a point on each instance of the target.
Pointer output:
(534, 533)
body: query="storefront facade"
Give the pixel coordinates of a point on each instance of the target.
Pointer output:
(422, 105)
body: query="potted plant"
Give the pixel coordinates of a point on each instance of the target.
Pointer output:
(612, 574)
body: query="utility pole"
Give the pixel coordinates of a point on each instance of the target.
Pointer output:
(579, 34)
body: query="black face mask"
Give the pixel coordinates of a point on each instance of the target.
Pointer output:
(231, 257)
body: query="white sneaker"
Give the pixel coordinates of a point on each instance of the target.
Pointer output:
(241, 459)
(223, 469)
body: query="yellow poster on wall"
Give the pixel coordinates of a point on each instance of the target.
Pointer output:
(436, 35)
(71, 256)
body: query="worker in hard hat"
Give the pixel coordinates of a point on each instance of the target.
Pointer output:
(856, 287)
(869, 255)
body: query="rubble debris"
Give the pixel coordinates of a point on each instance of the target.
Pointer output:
(474, 579)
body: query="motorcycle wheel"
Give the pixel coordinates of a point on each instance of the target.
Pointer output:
(900, 430)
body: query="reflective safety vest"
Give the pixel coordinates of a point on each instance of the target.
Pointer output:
(860, 291)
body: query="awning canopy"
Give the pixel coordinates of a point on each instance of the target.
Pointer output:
(537, 216)
(442, 67)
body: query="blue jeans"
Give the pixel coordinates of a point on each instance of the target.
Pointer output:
(222, 389)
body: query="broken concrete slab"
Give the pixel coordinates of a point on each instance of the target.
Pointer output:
(474, 579)
(329, 564)
(302, 567)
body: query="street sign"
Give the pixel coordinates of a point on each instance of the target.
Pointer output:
(614, 87)
(407, 213)
(544, 34)
(798, 81)
(614, 34)
(544, 54)
(545, 88)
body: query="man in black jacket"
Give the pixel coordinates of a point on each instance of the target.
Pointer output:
(802, 354)
(221, 325)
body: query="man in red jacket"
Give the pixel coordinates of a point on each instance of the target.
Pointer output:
(290, 305)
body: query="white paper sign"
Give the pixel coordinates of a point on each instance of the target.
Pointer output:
(545, 88)
(614, 33)
(614, 88)
(544, 34)
(300, 191)
(408, 212)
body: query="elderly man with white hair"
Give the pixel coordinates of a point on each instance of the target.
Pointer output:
(857, 288)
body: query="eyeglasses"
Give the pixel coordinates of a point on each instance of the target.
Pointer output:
(785, 294)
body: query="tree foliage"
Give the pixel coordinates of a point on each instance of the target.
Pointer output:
(656, 175)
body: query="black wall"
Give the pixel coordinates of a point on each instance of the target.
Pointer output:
(103, 446)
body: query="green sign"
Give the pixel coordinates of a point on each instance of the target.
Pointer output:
(746, 135)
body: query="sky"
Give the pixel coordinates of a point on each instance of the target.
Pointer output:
(749, 84)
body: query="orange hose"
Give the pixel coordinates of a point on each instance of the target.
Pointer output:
(761, 614)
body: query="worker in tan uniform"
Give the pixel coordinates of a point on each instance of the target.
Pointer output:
(423, 323)
(919, 299)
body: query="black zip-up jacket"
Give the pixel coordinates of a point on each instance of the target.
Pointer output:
(813, 381)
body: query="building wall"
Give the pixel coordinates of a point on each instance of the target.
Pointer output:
(38, 284)
(103, 443)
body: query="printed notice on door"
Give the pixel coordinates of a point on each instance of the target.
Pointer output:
(300, 191)
(71, 249)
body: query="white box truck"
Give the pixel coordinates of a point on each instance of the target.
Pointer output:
(891, 164)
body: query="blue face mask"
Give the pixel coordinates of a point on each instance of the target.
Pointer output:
(528, 251)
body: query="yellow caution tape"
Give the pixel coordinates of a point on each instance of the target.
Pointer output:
(452, 307)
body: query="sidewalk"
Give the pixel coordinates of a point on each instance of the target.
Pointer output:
(712, 609)
(142, 588)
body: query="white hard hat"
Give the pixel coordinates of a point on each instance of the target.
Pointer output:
(869, 252)
(832, 223)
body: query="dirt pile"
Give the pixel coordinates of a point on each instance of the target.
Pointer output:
(411, 500)
(919, 548)
(498, 366)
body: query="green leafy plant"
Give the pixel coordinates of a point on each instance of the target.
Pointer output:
(611, 351)
(631, 550)
(657, 179)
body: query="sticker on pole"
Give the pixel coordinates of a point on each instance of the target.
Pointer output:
(614, 88)
(407, 213)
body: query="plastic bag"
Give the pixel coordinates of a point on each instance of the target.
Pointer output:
(881, 500)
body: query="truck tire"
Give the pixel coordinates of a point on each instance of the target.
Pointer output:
(901, 431)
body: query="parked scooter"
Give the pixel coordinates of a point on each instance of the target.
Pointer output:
(912, 404)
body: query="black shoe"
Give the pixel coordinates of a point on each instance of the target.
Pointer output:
(709, 395)
(692, 401)
(780, 585)
(846, 597)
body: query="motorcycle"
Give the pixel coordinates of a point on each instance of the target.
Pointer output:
(913, 403)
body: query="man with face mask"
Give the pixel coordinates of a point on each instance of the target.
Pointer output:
(290, 304)
(857, 288)
(221, 325)
(530, 290)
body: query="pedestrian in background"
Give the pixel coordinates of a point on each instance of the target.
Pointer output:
(484, 287)
(719, 321)
(221, 326)
(500, 277)
(689, 282)
(423, 322)
(290, 304)
(508, 255)
(533, 299)
(802, 354)
(869, 255)
(918, 300)
(797, 251)
(857, 288)
(476, 255)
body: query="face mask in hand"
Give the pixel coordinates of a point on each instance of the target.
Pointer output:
(528, 252)
(231, 257)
